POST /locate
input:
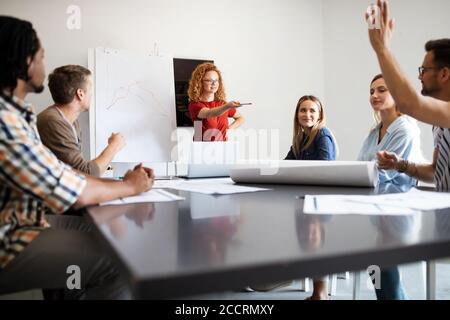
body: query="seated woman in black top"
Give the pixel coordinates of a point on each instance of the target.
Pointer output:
(311, 140)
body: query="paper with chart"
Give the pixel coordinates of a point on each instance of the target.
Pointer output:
(340, 204)
(413, 201)
(150, 196)
(328, 173)
(134, 95)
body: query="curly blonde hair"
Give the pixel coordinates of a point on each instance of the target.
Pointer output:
(196, 85)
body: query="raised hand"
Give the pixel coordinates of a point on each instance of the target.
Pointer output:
(381, 26)
(117, 141)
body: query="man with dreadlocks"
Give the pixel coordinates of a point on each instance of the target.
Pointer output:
(36, 251)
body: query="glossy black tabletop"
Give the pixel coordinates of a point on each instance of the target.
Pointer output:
(214, 243)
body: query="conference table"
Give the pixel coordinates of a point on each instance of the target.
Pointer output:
(209, 243)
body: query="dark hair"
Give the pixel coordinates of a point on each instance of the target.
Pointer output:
(64, 81)
(378, 76)
(18, 42)
(441, 50)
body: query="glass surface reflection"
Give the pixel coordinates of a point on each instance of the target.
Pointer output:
(207, 226)
(115, 217)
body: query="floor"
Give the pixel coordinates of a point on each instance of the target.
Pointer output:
(412, 276)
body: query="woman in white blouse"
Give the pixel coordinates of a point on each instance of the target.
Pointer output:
(393, 132)
(397, 133)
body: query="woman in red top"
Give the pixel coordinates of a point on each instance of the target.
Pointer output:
(208, 107)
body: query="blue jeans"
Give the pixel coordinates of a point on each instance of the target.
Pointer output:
(391, 285)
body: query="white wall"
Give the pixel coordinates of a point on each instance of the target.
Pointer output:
(350, 63)
(270, 52)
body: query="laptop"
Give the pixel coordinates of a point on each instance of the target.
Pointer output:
(211, 159)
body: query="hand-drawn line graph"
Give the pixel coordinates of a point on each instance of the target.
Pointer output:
(135, 95)
(138, 89)
(132, 90)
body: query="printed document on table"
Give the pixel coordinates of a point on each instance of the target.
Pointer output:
(215, 186)
(167, 184)
(154, 195)
(339, 204)
(413, 199)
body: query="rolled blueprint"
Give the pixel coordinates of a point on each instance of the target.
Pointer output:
(326, 173)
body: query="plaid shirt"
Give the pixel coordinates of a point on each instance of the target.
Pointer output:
(32, 180)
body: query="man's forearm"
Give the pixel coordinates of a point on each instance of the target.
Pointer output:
(425, 173)
(422, 172)
(105, 158)
(99, 190)
(404, 94)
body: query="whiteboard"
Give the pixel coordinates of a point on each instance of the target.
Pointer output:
(133, 94)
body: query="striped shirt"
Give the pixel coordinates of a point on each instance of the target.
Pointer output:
(442, 172)
(32, 180)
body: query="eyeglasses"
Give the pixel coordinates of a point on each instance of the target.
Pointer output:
(211, 81)
(422, 70)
